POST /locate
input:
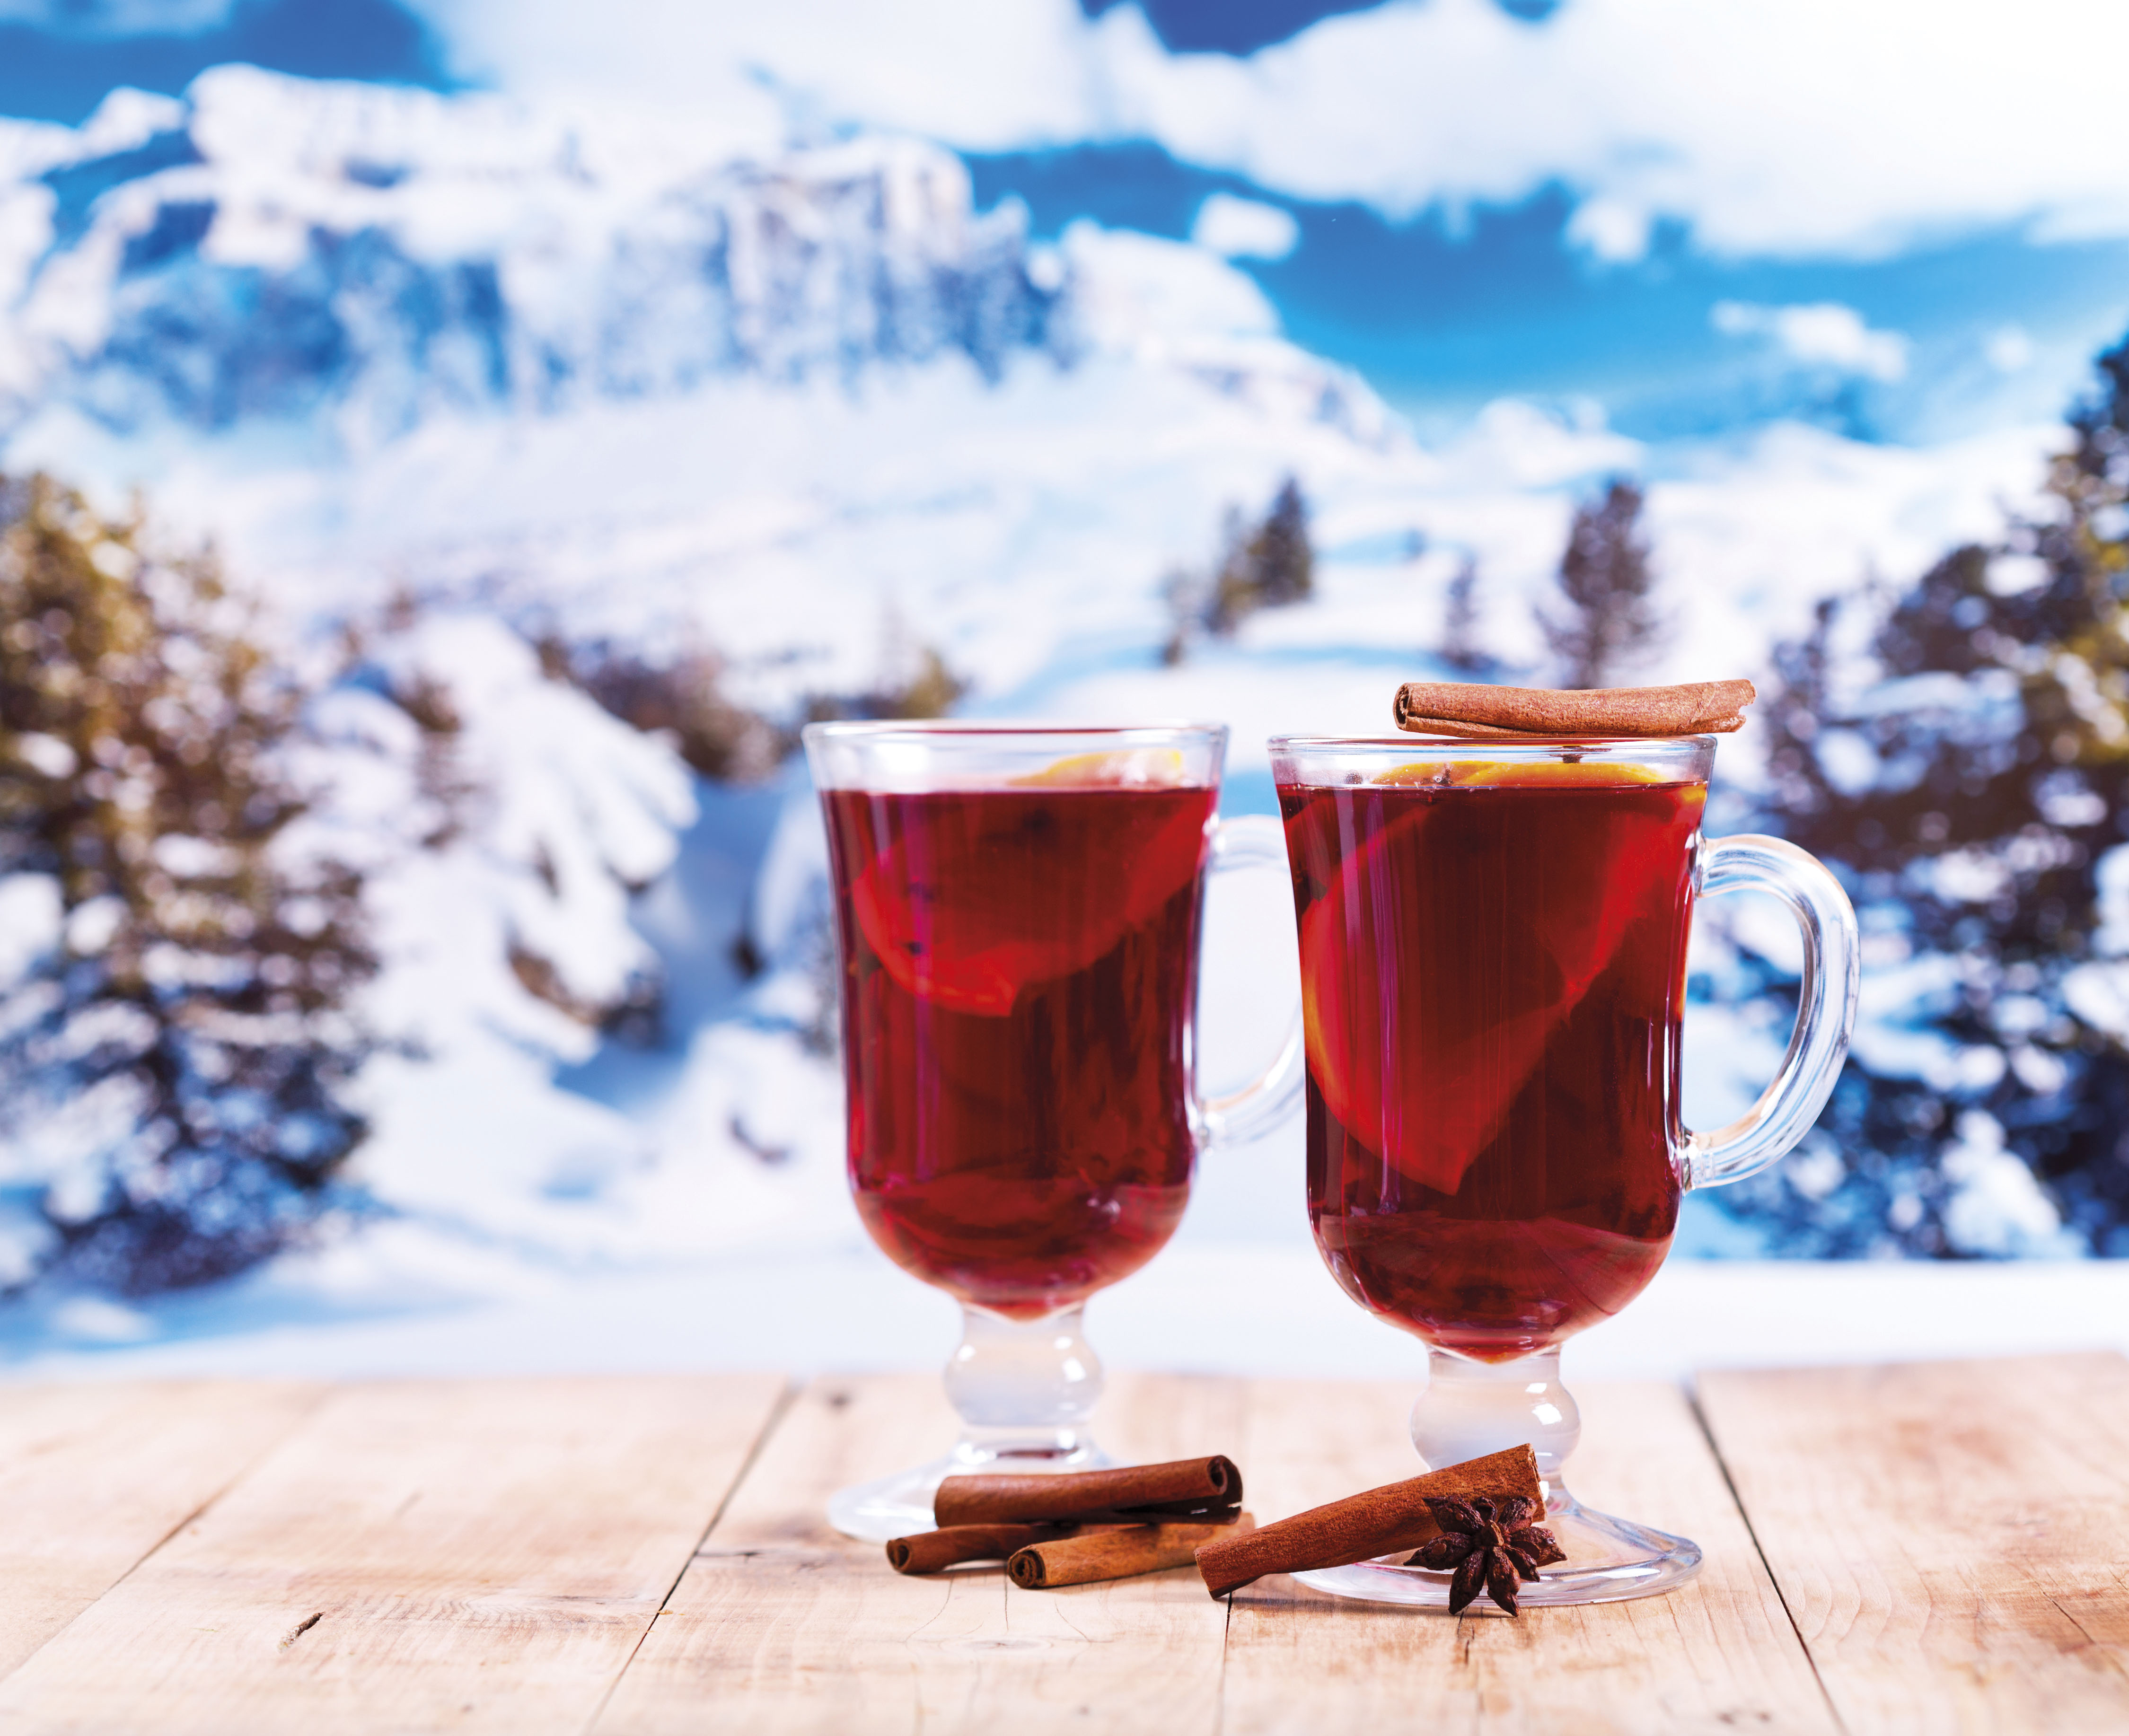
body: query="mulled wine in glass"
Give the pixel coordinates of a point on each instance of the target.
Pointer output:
(1017, 917)
(1493, 951)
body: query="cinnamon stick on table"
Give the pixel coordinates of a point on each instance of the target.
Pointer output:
(1116, 1554)
(927, 1551)
(1473, 709)
(1376, 1523)
(1205, 1489)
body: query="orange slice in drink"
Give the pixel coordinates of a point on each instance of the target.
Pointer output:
(985, 893)
(1118, 768)
(1420, 1040)
(1491, 773)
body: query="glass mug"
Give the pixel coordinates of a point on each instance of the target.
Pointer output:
(1494, 956)
(1017, 915)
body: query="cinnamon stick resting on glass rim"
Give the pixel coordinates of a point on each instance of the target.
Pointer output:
(1116, 1553)
(1475, 709)
(1208, 1490)
(1377, 1522)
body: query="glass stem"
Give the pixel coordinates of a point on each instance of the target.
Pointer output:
(1470, 1408)
(1025, 1390)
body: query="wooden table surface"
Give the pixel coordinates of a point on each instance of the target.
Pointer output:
(1913, 1548)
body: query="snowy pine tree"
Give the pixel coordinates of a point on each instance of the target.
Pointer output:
(171, 1037)
(1607, 621)
(1268, 567)
(1963, 759)
(1461, 649)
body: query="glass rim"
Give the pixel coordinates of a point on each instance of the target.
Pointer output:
(873, 729)
(1492, 744)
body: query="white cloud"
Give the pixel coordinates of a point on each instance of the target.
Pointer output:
(1818, 334)
(1766, 126)
(2009, 349)
(978, 74)
(1244, 229)
(1614, 233)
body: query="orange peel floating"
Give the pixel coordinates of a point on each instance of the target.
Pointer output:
(1494, 773)
(1118, 768)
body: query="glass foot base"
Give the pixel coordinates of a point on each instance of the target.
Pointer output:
(901, 1506)
(1608, 1560)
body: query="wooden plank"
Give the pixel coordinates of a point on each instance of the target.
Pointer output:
(463, 1556)
(93, 1476)
(1718, 1653)
(1952, 1538)
(781, 1625)
(1143, 1654)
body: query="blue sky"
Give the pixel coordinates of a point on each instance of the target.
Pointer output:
(55, 72)
(1442, 308)
(1443, 316)
(1237, 26)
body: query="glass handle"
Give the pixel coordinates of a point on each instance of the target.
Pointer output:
(1826, 1004)
(1254, 840)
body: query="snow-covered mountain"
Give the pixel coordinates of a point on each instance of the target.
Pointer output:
(368, 257)
(342, 327)
(594, 369)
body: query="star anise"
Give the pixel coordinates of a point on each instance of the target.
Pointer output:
(1490, 1543)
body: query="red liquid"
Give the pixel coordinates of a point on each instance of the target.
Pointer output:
(1019, 966)
(1492, 973)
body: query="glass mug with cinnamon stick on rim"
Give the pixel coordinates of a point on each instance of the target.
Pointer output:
(1017, 917)
(1494, 910)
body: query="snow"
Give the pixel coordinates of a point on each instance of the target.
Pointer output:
(550, 811)
(673, 450)
(566, 413)
(2098, 994)
(432, 252)
(1996, 1207)
(30, 922)
(1027, 526)
(1146, 291)
(1250, 1309)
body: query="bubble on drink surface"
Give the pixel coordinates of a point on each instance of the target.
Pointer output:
(1118, 768)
